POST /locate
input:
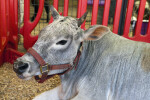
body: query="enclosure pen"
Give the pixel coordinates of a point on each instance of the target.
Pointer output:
(8, 30)
(15, 34)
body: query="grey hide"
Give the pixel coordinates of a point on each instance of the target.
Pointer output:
(113, 68)
(110, 68)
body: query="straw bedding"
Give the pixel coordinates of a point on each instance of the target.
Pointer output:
(13, 88)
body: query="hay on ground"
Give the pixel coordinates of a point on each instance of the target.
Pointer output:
(13, 88)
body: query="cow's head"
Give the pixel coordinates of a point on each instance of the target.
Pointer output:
(57, 44)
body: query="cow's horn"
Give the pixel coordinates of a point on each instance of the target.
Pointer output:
(54, 12)
(81, 19)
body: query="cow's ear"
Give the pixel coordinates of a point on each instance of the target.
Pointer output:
(95, 32)
(54, 12)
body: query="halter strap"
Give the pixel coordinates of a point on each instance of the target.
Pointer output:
(45, 68)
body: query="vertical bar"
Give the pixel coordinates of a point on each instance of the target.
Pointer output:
(13, 24)
(1, 58)
(26, 11)
(106, 12)
(128, 18)
(117, 16)
(8, 18)
(66, 3)
(28, 25)
(38, 16)
(1, 24)
(94, 12)
(3, 28)
(4, 22)
(55, 4)
(16, 12)
(79, 8)
(140, 18)
(84, 7)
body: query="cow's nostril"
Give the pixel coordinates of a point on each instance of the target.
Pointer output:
(20, 63)
(22, 67)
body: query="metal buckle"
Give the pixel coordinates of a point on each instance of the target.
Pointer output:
(44, 68)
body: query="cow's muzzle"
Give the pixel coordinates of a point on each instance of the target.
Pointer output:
(20, 67)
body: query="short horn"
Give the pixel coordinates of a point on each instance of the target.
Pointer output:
(81, 19)
(54, 12)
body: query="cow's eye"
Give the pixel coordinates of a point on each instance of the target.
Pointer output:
(62, 42)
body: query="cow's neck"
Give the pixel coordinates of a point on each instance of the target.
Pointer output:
(89, 56)
(91, 52)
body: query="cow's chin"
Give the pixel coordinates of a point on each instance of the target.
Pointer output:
(25, 76)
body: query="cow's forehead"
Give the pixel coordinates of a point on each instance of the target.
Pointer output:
(64, 26)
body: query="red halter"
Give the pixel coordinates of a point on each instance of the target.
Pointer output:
(45, 68)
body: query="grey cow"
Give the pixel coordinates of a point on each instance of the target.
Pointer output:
(110, 67)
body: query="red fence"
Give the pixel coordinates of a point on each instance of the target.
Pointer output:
(8, 27)
(9, 23)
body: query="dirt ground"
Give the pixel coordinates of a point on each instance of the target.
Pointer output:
(13, 88)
